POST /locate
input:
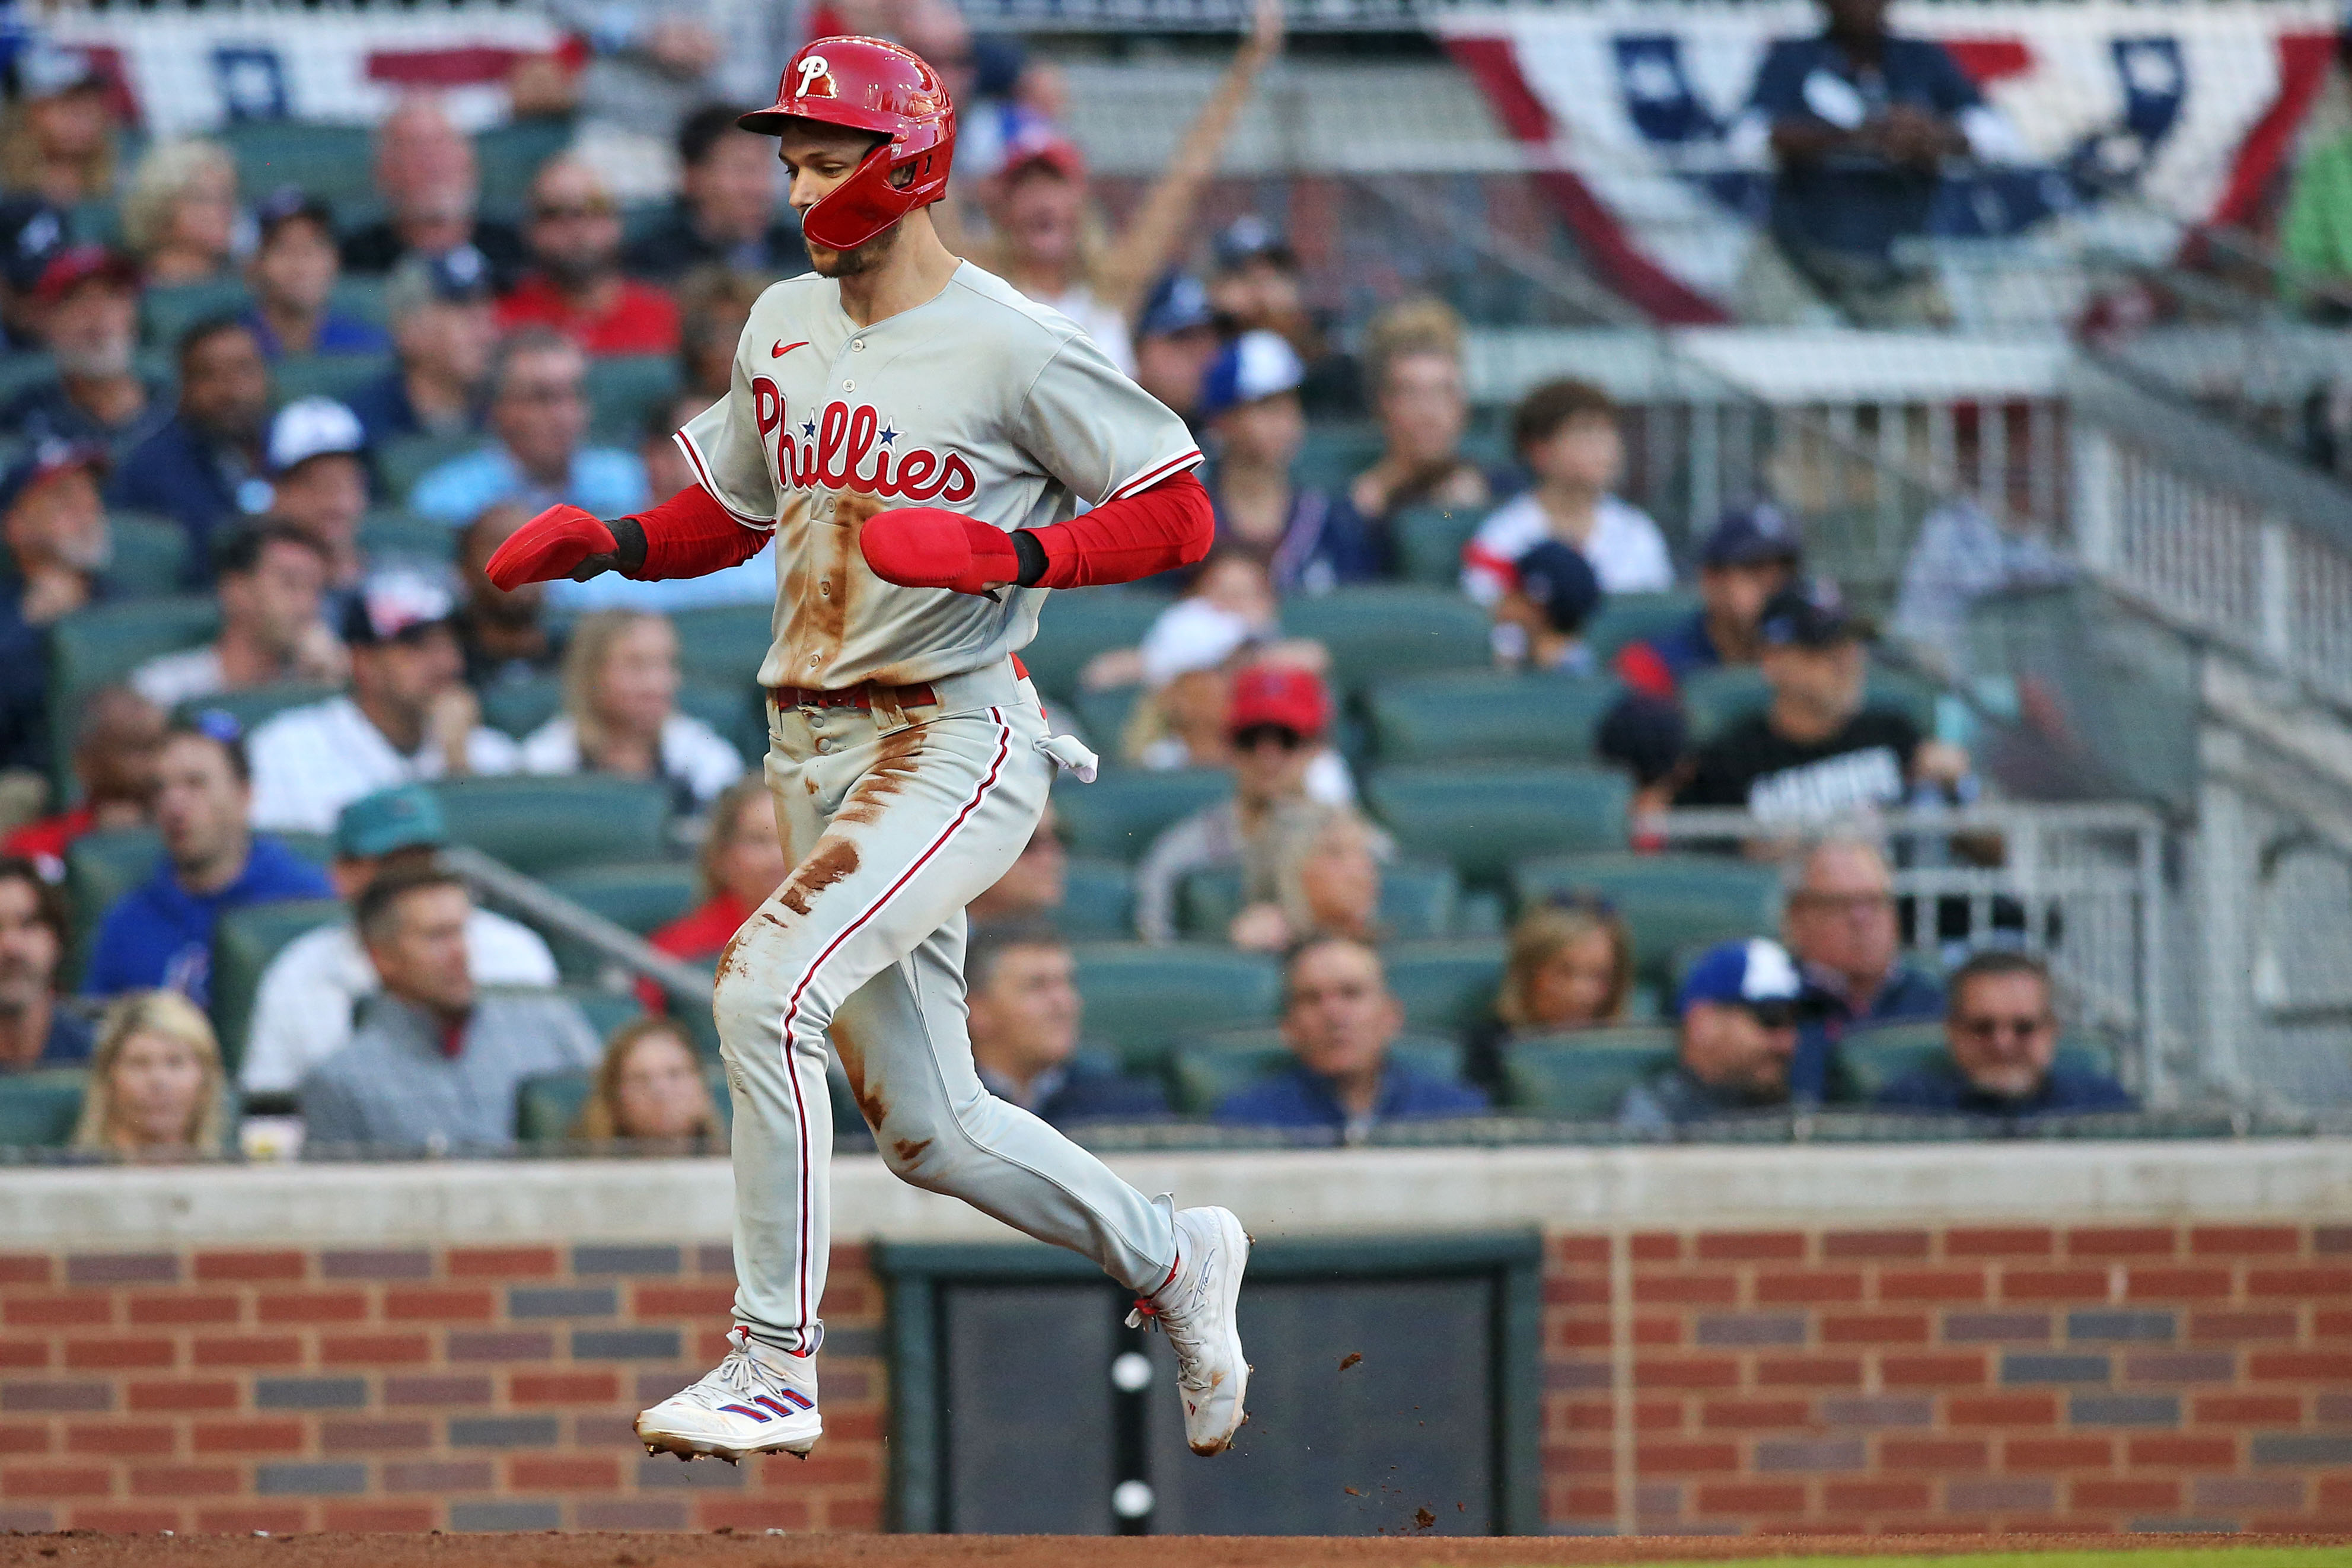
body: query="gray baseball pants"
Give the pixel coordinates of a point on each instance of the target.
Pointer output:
(892, 820)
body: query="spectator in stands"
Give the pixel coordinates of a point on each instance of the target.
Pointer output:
(204, 467)
(1569, 966)
(1340, 1020)
(1817, 751)
(268, 577)
(444, 329)
(1566, 433)
(88, 296)
(1051, 244)
(1185, 664)
(304, 1007)
(575, 286)
(1175, 342)
(1412, 353)
(503, 634)
(155, 1082)
(728, 210)
(1034, 885)
(318, 468)
(649, 1088)
(1256, 286)
(427, 178)
(537, 419)
(114, 766)
(1839, 919)
(57, 138)
(434, 1065)
(408, 716)
(1274, 720)
(1858, 124)
(1025, 1013)
(178, 217)
(1326, 881)
(713, 303)
(741, 862)
(650, 62)
(2002, 1034)
(292, 275)
(57, 544)
(1739, 1009)
(666, 469)
(35, 1032)
(160, 933)
(1539, 619)
(620, 713)
(32, 232)
(1311, 542)
(1750, 555)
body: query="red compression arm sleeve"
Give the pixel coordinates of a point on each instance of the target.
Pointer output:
(692, 535)
(1141, 535)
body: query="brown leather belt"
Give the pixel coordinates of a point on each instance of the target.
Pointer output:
(863, 695)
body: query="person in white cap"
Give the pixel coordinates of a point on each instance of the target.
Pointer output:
(319, 482)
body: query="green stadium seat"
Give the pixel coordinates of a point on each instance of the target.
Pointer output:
(1444, 986)
(1575, 1079)
(99, 222)
(102, 644)
(1417, 900)
(24, 369)
(1429, 542)
(150, 556)
(1485, 820)
(257, 704)
(1201, 1076)
(1333, 454)
(325, 160)
(640, 897)
(1120, 814)
(1915, 696)
(100, 868)
(1103, 716)
(721, 643)
(733, 707)
(1143, 1001)
(1871, 1058)
(244, 942)
(358, 294)
(171, 308)
(623, 389)
(403, 460)
(1098, 900)
(388, 532)
(1635, 617)
(327, 375)
(508, 156)
(1668, 902)
(1392, 629)
(539, 824)
(519, 706)
(38, 1109)
(1715, 699)
(1489, 716)
(1077, 625)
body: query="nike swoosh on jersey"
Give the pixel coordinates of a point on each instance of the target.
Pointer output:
(783, 348)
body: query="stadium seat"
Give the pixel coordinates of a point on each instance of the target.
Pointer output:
(1484, 820)
(100, 868)
(508, 155)
(1429, 541)
(1098, 900)
(1577, 1079)
(327, 375)
(403, 460)
(1715, 700)
(389, 531)
(733, 707)
(1076, 626)
(640, 897)
(1392, 629)
(623, 389)
(38, 1109)
(1122, 812)
(1489, 716)
(539, 824)
(1631, 618)
(99, 646)
(256, 705)
(324, 159)
(244, 942)
(1103, 716)
(1142, 1001)
(360, 295)
(171, 308)
(1668, 902)
(25, 368)
(1875, 1057)
(1333, 454)
(1914, 695)
(150, 556)
(1201, 1076)
(1444, 986)
(1417, 900)
(519, 706)
(722, 643)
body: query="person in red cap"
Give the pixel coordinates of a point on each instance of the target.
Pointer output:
(57, 543)
(90, 298)
(1276, 721)
(916, 438)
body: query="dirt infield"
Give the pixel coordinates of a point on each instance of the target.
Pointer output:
(553, 1550)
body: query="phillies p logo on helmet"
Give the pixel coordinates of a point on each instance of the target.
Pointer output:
(813, 71)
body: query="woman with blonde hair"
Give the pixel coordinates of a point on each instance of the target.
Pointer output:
(649, 1088)
(178, 217)
(155, 1081)
(620, 713)
(1570, 967)
(1412, 363)
(1321, 867)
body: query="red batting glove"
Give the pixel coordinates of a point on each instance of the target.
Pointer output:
(556, 543)
(931, 547)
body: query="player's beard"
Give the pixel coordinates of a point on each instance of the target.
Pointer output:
(867, 258)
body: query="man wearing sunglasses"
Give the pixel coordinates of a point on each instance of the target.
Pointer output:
(1739, 1009)
(2002, 1036)
(575, 286)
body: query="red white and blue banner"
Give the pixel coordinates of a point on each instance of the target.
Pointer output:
(2129, 114)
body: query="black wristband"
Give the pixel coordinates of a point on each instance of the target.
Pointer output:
(629, 535)
(1032, 555)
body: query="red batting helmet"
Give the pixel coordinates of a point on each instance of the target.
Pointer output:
(868, 85)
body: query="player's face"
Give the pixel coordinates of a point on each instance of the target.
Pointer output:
(817, 159)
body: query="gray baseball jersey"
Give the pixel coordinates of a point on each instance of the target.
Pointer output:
(978, 400)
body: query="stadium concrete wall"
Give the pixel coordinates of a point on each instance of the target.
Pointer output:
(1998, 1337)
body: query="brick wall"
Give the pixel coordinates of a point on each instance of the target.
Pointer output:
(1956, 1379)
(482, 1388)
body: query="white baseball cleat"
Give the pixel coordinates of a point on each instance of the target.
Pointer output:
(1195, 1309)
(758, 1401)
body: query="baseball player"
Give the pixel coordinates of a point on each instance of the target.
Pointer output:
(917, 436)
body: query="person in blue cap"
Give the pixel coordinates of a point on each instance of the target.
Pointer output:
(443, 328)
(1175, 342)
(1749, 555)
(57, 546)
(1310, 540)
(292, 274)
(2001, 1036)
(1739, 1008)
(1539, 620)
